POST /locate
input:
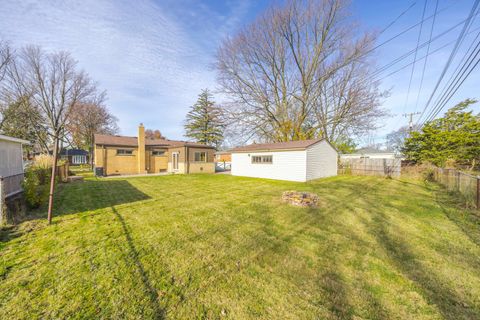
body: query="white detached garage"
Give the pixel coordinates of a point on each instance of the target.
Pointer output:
(294, 160)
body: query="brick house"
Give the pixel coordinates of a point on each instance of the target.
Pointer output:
(117, 155)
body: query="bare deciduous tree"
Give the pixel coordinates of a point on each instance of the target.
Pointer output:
(86, 119)
(298, 72)
(54, 85)
(154, 134)
(5, 58)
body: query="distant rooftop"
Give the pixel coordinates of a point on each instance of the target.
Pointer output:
(105, 139)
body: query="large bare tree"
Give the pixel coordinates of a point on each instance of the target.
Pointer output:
(6, 55)
(53, 85)
(300, 71)
(88, 118)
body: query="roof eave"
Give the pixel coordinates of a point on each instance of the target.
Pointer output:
(269, 150)
(12, 139)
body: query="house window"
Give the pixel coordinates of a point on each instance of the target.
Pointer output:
(79, 159)
(262, 159)
(158, 153)
(200, 156)
(124, 152)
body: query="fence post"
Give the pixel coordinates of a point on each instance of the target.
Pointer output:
(3, 208)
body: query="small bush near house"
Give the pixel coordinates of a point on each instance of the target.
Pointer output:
(429, 174)
(37, 180)
(35, 186)
(43, 161)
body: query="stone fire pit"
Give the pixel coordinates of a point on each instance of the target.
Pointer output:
(300, 199)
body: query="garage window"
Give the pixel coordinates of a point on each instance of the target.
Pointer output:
(200, 156)
(262, 159)
(158, 153)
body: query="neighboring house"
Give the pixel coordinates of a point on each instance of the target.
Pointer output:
(74, 156)
(115, 155)
(295, 160)
(371, 154)
(11, 165)
(223, 156)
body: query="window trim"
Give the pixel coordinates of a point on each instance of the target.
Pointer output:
(199, 152)
(264, 159)
(128, 152)
(159, 155)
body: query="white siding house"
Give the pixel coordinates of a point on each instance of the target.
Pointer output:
(294, 161)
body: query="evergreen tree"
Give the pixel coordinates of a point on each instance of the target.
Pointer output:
(454, 137)
(204, 121)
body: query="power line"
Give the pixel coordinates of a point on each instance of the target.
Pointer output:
(397, 18)
(457, 81)
(453, 92)
(419, 59)
(452, 54)
(457, 72)
(406, 55)
(426, 58)
(406, 30)
(415, 56)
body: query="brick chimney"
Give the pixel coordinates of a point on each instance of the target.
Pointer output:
(141, 149)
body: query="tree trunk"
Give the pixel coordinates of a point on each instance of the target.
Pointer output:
(52, 179)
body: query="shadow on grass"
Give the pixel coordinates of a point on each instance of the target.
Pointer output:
(332, 281)
(468, 221)
(75, 198)
(402, 255)
(95, 194)
(8, 233)
(158, 312)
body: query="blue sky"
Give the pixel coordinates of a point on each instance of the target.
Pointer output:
(154, 57)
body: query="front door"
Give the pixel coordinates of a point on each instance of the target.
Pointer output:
(175, 161)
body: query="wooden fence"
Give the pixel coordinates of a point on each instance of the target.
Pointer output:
(465, 184)
(371, 167)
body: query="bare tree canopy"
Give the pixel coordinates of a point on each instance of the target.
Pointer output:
(86, 119)
(5, 58)
(52, 84)
(300, 71)
(154, 134)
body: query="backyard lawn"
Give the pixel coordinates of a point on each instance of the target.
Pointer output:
(223, 247)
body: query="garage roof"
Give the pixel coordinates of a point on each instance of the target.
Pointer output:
(12, 139)
(289, 145)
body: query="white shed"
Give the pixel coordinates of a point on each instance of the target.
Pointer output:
(294, 160)
(11, 164)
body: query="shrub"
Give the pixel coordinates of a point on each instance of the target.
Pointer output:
(43, 161)
(35, 186)
(429, 174)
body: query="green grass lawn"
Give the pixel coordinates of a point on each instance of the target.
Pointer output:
(223, 247)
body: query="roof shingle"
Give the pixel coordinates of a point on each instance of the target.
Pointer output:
(105, 139)
(300, 144)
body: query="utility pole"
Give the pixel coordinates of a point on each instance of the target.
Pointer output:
(410, 122)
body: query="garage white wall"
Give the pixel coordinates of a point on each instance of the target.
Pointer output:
(322, 161)
(287, 165)
(11, 158)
